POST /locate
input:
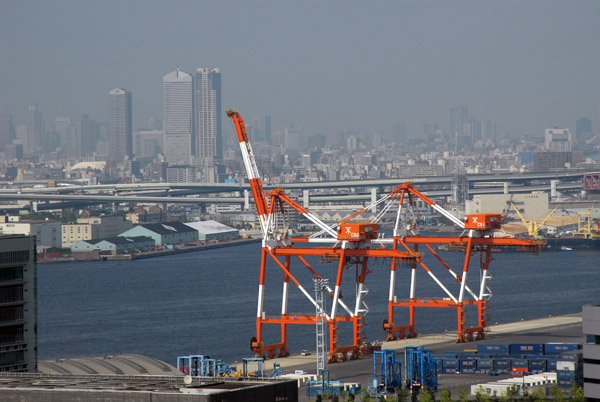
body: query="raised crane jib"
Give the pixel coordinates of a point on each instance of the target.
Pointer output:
(258, 193)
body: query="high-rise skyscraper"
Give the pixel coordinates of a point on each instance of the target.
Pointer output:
(35, 129)
(120, 124)
(7, 130)
(208, 142)
(178, 119)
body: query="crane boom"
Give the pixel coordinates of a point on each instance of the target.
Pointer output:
(258, 193)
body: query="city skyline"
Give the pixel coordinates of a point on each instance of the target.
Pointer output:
(525, 65)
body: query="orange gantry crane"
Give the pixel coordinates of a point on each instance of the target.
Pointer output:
(352, 243)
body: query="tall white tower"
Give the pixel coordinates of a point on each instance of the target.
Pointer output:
(207, 96)
(178, 119)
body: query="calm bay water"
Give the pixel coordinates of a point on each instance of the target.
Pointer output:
(205, 302)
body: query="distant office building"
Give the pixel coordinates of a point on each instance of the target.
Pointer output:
(148, 143)
(208, 142)
(98, 227)
(399, 133)
(35, 129)
(181, 174)
(120, 116)
(178, 119)
(13, 151)
(7, 130)
(89, 133)
(583, 130)
(268, 134)
(18, 304)
(552, 160)
(557, 139)
(488, 130)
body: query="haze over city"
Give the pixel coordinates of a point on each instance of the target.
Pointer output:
(326, 66)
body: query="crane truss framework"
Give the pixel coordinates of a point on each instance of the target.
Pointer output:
(353, 242)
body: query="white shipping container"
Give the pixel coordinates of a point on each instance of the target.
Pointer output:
(567, 366)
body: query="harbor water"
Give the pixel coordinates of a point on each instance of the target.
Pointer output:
(205, 302)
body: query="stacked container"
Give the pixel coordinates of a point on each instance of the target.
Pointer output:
(468, 365)
(569, 369)
(451, 366)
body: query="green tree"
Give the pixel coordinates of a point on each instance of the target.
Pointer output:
(364, 395)
(481, 395)
(557, 393)
(426, 396)
(402, 394)
(463, 395)
(577, 393)
(512, 393)
(445, 395)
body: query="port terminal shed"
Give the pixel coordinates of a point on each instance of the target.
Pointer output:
(213, 230)
(116, 245)
(168, 233)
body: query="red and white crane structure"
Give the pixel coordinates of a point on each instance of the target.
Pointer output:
(353, 243)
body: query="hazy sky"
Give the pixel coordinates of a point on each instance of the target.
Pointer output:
(325, 65)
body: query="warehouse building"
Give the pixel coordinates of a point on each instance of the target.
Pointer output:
(213, 230)
(116, 245)
(169, 233)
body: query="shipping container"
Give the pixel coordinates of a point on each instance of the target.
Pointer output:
(551, 365)
(537, 365)
(558, 348)
(568, 366)
(519, 370)
(450, 363)
(568, 383)
(485, 364)
(569, 374)
(450, 370)
(493, 349)
(519, 363)
(526, 349)
(571, 356)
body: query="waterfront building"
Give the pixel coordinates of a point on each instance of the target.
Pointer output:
(534, 205)
(120, 124)
(18, 304)
(169, 233)
(178, 119)
(213, 230)
(47, 233)
(114, 245)
(208, 142)
(98, 227)
(591, 352)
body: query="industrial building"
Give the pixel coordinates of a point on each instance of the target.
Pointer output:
(169, 233)
(46, 232)
(18, 305)
(213, 230)
(98, 227)
(591, 352)
(116, 245)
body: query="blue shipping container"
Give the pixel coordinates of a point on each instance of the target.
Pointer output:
(522, 363)
(471, 363)
(558, 348)
(551, 365)
(502, 363)
(493, 349)
(537, 365)
(571, 356)
(485, 364)
(450, 363)
(450, 370)
(526, 349)
(564, 374)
